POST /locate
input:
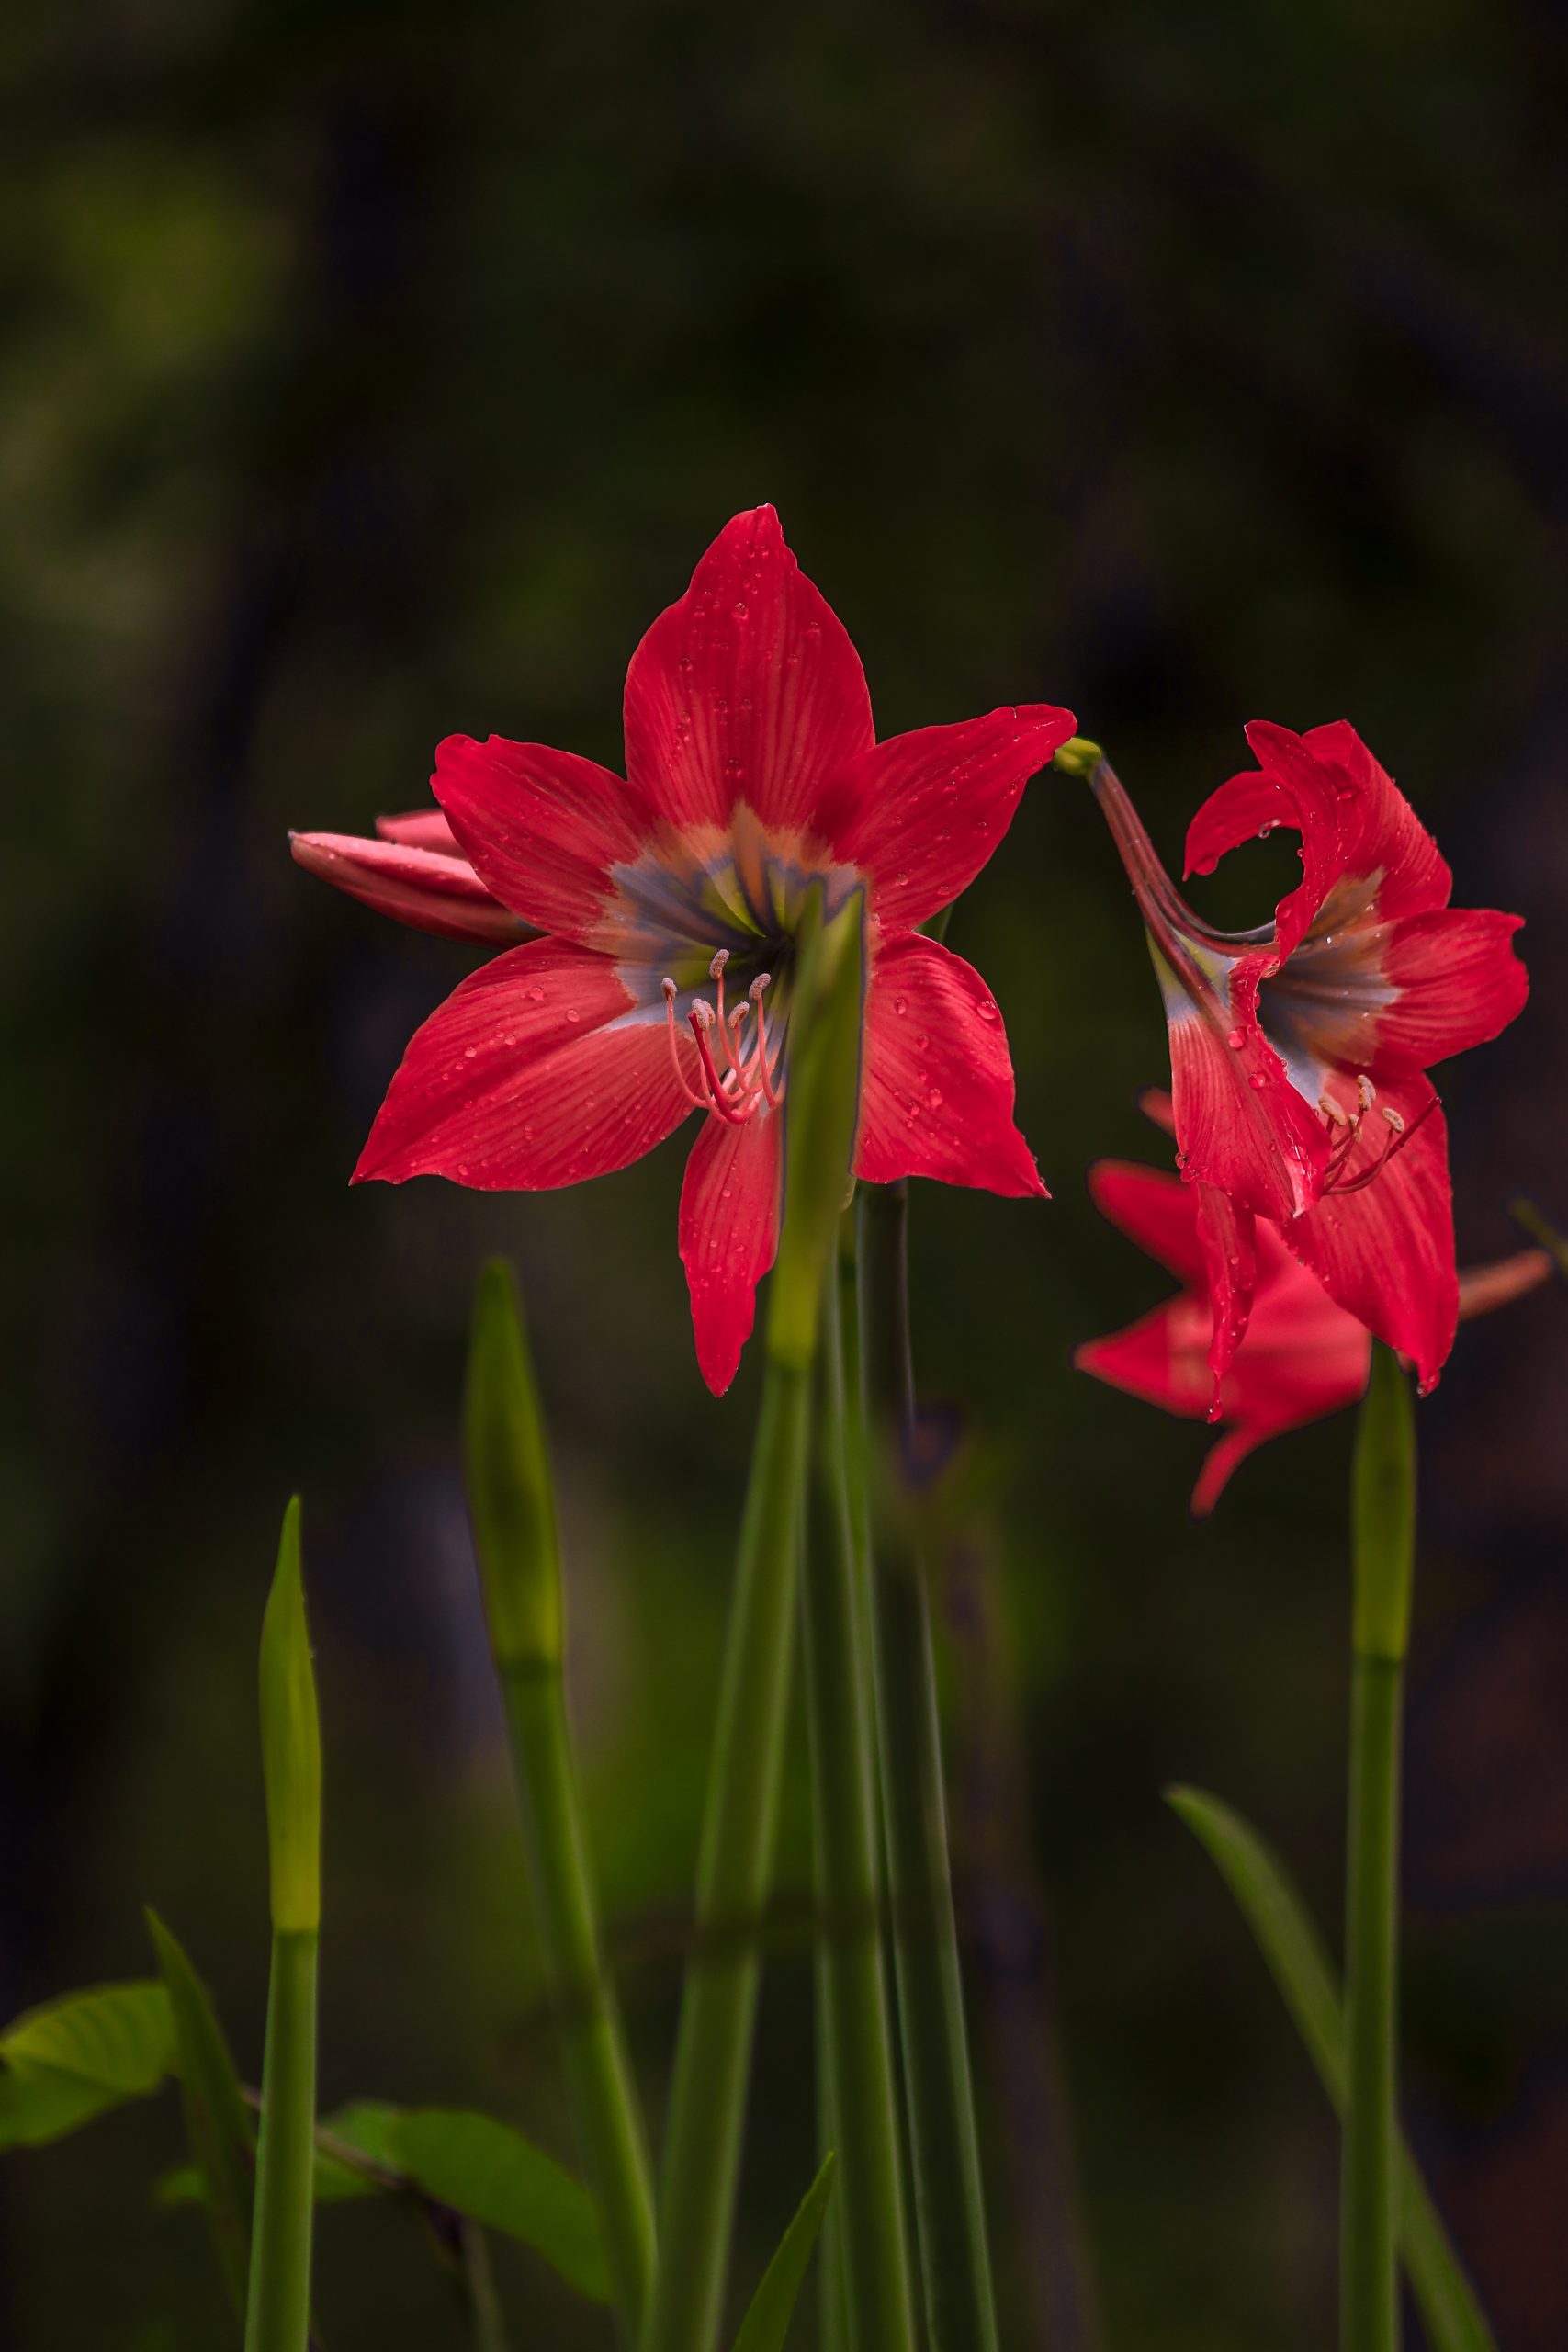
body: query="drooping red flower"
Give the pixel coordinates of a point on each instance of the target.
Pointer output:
(1302, 1355)
(1299, 1051)
(667, 903)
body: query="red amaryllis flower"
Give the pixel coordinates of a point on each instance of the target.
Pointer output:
(668, 901)
(1298, 1051)
(1302, 1355)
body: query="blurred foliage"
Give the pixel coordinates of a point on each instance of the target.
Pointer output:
(372, 374)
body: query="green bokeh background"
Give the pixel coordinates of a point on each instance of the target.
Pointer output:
(372, 374)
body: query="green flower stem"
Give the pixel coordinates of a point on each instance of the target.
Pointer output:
(604, 2107)
(707, 2108)
(1384, 1512)
(702, 2151)
(512, 1504)
(856, 2044)
(278, 2314)
(945, 2146)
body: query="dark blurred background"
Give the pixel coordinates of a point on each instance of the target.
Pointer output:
(370, 374)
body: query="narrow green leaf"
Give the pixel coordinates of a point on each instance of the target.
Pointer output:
(291, 1745)
(511, 1494)
(766, 2323)
(491, 2173)
(216, 2119)
(77, 2056)
(1298, 1961)
(181, 2185)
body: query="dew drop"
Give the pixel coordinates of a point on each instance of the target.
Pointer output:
(572, 1014)
(933, 1098)
(900, 1004)
(740, 608)
(1235, 1041)
(986, 1009)
(1258, 1081)
(536, 996)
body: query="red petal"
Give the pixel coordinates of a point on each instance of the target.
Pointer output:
(1386, 1252)
(1288, 788)
(1227, 1233)
(1157, 1211)
(937, 1089)
(920, 814)
(1458, 980)
(730, 1235)
(542, 827)
(413, 886)
(748, 689)
(1221, 1460)
(538, 1070)
(1158, 1358)
(419, 829)
(1381, 834)
(1259, 1141)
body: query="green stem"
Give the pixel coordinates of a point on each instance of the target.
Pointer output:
(606, 2114)
(479, 2283)
(1383, 1531)
(856, 2043)
(708, 2098)
(945, 2145)
(277, 2317)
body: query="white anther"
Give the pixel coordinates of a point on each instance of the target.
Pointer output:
(1366, 1092)
(671, 992)
(716, 970)
(1331, 1111)
(1395, 1121)
(702, 1013)
(762, 980)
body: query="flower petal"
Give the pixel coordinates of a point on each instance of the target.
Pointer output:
(1386, 1252)
(540, 1069)
(1240, 1122)
(1288, 788)
(1158, 1358)
(747, 689)
(1227, 1233)
(920, 814)
(1457, 980)
(1157, 1211)
(543, 828)
(937, 1088)
(419, 829)
(730, 1235)
(1383, 835)
(419, 887)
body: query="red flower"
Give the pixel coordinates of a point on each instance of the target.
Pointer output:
(1302, 1356)
(1298, 1051)
(667, 902)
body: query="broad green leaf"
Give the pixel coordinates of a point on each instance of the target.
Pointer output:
(491, 2173)
(216, 2119)
(1298, 1961)
(766, 2323)
(77, 2056)
(367, 2126)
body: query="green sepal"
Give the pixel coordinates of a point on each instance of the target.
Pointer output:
(291, 1745)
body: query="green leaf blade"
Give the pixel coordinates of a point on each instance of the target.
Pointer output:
(75, 2057)
(218, 2122)
(500, 2179)
(1298, 1960)
(766, 2323)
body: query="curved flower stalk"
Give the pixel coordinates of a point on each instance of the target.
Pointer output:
(1303, 1356)
(1299, 1051)
(667, 902)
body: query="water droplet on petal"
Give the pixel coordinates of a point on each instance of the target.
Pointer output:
(934, 1098)
(900, 1004)
(1258, 1081)
(1235, 1041)
(986, 1009)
